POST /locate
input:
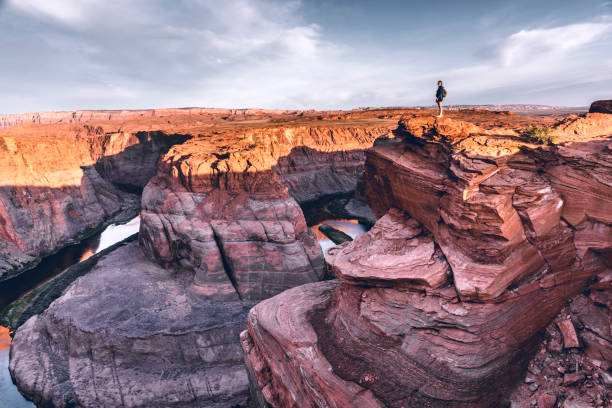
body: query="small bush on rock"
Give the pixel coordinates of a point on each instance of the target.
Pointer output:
(538, 135)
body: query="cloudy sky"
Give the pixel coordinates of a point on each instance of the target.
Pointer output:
(322, 54)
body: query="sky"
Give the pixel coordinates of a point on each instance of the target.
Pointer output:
(310, 54)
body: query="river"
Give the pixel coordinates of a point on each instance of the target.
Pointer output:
(54, 264)
(350, 227)
(47, 269)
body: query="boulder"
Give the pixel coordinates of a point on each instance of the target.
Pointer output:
(570, 338)
(395, 252)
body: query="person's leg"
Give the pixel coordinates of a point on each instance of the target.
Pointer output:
(439, 108)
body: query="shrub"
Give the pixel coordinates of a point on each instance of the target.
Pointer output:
(538, 135)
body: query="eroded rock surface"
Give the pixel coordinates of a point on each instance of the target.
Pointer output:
(394, 252)
(61, 183)
(158, 323)
(225, 205)
(131, 334)
(521, 228)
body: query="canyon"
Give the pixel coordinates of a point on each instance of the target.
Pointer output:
(221, 228)
(483, 248)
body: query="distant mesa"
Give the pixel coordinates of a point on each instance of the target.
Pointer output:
(81, 116)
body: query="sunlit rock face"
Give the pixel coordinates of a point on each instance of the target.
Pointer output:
(225, 206)
(501, 234)
(157, 324)
(148, 115)
(61, 183)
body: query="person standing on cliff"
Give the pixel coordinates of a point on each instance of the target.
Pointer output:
(440, 95)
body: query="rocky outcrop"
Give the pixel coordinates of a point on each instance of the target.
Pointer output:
(601, 107)
(573, 362)
(483, 239)
(99, 345)
(62, 183)
(500, 210)
(220, 227)
(395, 252)
(225, 206)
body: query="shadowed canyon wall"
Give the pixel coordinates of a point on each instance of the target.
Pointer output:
(62, 183)
(220, 229)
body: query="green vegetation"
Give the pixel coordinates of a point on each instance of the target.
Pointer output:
(538, 135)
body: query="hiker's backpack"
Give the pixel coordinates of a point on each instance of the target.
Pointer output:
(444, 92)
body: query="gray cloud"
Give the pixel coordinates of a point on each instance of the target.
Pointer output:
(84, 54)
(528, 46)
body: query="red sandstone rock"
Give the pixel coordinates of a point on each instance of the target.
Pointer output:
(570, 339)
(570, 379)
(546, 400)
(60, 183)
(305, 378)
(552, 362)
(395, 252)
(523, 228)
(226, 208)
(496, 220)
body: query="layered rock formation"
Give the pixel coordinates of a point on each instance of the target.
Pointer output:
(484, 240)
(601, 107)
(61, 183)
(80, 116)
(225, 206)
(220, 228)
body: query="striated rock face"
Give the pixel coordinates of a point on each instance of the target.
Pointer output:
(223, 206)
(220, 227)
(499, 209)
(396, 251)
(60, 184)
(601, 107)
(483, 239)
(98, 345)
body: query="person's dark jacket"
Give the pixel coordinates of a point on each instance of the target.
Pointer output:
(440, 93)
